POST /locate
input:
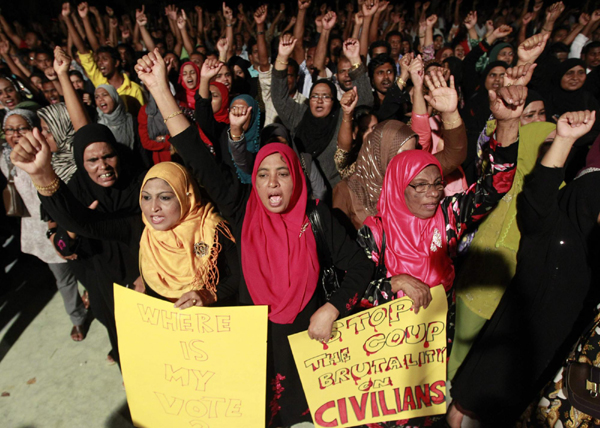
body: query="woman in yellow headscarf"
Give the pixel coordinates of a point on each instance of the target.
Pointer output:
(495, 244)
(180, 245)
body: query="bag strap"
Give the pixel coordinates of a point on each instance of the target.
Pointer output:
(319, 233)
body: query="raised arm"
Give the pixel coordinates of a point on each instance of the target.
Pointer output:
(584, 18)
(99, 25)
(83, 11)
(182, 25)
(369, 7)
(228, 15)
(77, 112)
(298, 53)
(142, 21)
(263, 51)
(289, 111)
(77, 40)
(223, 188)
(10, 32)
(348, 103)
(171, 13)
(374, 28)
(444, 99)
(321, 53)
(14, 68)
(200, 26)
(539, 204)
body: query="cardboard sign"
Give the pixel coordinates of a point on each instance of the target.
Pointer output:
(197, 367)
(383, 364)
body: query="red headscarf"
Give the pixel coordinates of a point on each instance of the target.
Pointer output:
(279, 253)
(223, 114)
(190, 94)
(414, 246)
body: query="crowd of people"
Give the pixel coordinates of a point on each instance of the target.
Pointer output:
(212, 157)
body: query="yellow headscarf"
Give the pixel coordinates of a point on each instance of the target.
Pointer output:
(183, 258)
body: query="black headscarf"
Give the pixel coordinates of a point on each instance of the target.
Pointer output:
(563, 101)
(248, 84)
(313, 134)
(120, 198)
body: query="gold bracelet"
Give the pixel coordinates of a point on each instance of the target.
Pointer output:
(282, 62)
(451, 123)
(49, 190)
(346, 121)
(172, 115)
(545, 29)
(401, 82)
(355, 66)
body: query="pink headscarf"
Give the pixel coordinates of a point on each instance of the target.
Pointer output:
(414, 246)
(279, 253)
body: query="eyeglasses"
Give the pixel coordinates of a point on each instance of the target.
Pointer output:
(324, 97)
(20, 131)
(424, 187)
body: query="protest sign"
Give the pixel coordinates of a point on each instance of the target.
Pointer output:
(386, 363)
(198, 367)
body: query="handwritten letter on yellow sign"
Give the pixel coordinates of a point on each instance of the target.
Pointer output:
(198, 367)
(383, 364)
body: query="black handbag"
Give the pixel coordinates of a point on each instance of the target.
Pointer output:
(582, 381)
(379, 291)
(329, 279)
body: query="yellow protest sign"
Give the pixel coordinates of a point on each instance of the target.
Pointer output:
(383, 364)
(198, 367)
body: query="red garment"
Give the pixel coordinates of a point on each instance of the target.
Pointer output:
(223, 114)
(190, 94)
(161, 152)
(414, 246)
(279, 252)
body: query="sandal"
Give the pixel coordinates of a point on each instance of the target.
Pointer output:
(78, 333)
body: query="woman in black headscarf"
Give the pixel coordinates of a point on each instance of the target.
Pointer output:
(104, 180)
(243, 82)
(567, 93)
(477, 112)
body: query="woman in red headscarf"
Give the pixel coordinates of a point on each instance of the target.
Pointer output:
(276, 244)
(421, 228)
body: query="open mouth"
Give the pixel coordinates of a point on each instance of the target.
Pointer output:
(103, 107)
(9, 102)
(103, 69)
(275, 199)
(107, 177)
(156, 219)
(190, 83)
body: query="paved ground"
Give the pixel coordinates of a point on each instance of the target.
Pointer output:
(46, 379)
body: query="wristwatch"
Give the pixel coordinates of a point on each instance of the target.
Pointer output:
(50, 232)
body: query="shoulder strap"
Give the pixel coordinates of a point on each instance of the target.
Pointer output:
(317, 228)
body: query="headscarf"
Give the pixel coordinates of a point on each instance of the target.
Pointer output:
(28, 115)
(496, 50)
(223, 114)
(313, 135)
(561, 100)
(31, 120)
(279, 251)
(377, 151)
(120, 197)
(274, 130)
(190, 94)
(253, 133)
(119, 121)
(240, 85)
(414, 246)
(61, 128)
(183, 258)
